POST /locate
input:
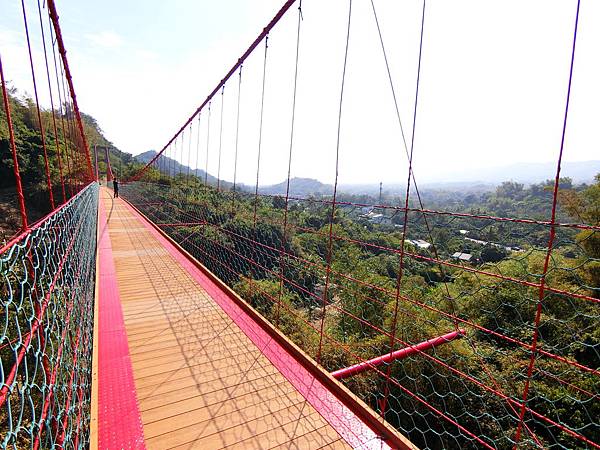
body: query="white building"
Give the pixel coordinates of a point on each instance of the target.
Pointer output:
(420, 243)
(466, 257)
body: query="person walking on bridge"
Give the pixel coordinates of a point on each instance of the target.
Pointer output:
(116, 187)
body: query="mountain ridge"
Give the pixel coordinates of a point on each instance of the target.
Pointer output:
(476, 180)
(173, 167)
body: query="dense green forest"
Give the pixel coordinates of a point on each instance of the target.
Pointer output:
(276, 258)
(28, 141)
(303, 267)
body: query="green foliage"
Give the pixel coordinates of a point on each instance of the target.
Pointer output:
(30, 153)
(491, 253)
(360, 304)
(278, 305)
(585, 206)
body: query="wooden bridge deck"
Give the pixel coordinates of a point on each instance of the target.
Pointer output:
(200, 381)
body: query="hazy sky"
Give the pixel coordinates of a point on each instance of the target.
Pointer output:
(493, 81)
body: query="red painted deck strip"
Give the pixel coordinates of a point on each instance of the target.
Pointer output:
(354, 431)
(119, 422)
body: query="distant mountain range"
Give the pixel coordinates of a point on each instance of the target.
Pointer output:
(400, 189)
(476, 180)
(301, 187)
(528, 173)
(298, 186)
(173, 167)
(486, 179)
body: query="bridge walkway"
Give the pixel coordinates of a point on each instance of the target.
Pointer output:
(198, 380)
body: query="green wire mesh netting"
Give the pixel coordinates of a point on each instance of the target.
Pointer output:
(466, 393)
(47, 280)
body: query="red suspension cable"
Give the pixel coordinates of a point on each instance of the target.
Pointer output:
(39, 113)
(63, 54)
(56, 139)
(239, 62)
(13, 148)
(541, 297)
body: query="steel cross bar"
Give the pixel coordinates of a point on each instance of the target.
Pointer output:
(398, 354)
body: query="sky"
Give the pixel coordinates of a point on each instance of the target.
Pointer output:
(492, 87)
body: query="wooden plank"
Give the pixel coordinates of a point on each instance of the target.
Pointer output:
(166, 332)
(242, 385)
(231, 428)
(174, 385)
(198, 409)
(207, 374)
(275, 427)
(242, 361)
(337, 445)
(200, 381)
(213, 349)
(291, 437)
(174, 356)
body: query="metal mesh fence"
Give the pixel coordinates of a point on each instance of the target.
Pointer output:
(47, 278)
(346, 306)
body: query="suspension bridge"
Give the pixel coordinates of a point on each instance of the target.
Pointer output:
(197, 312)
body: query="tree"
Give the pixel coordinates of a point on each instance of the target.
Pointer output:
(492, 253)
(510, 189)
(585, 207)
(278, 202)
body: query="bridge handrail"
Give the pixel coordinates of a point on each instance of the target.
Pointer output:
(47, 284)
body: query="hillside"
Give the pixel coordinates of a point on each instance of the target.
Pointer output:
(301, 187)
(242, 246)
(173, 167)
(31, 162)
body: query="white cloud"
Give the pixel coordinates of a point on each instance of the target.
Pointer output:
(146, 55)
(106, 39)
